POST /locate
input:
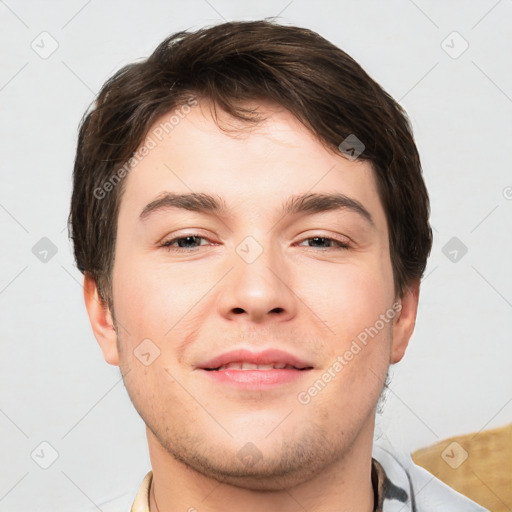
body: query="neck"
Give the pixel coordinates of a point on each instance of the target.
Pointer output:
(344, 485)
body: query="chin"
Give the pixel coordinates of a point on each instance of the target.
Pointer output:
(280, 461)
(263, 475)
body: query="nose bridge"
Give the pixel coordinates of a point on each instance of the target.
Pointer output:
(257, 286)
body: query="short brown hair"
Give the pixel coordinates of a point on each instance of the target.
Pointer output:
(230, 64)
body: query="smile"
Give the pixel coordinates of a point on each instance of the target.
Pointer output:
(253, 366)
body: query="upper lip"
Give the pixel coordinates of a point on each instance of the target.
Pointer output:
(265, 357)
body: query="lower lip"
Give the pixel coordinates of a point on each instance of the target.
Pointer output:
(251, 379)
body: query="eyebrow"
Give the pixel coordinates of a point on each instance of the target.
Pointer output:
(303, 203)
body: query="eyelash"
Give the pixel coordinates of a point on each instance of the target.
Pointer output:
(167, 244)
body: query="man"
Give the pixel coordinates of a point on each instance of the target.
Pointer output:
(252, 223)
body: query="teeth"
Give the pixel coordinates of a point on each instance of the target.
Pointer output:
(231, 366)
(252, 366)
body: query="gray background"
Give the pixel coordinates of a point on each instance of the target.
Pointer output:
(56, 387)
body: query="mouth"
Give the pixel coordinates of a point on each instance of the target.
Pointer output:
(265, 369)
(243, 359)
(243, 365)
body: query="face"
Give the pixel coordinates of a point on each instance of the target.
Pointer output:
(308, 288)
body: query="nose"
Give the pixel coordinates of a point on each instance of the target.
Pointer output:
(258, 291)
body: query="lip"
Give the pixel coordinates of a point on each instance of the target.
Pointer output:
(264, 357)
(255, 379)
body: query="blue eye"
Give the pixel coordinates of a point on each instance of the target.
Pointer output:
(192, 241)
(338, 243)
(185, 243)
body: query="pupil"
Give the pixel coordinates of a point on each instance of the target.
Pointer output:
(183, 242)
(317, 238)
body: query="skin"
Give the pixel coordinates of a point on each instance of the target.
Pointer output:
(309, 298)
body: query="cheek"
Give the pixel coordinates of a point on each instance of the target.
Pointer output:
(155, 300)
(347, 298)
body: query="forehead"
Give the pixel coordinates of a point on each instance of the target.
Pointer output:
(252, 167)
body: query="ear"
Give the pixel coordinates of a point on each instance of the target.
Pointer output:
(101, 321)
(405, 321)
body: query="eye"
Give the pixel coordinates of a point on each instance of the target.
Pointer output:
(192, 241)
(186, 243)
(322, 240)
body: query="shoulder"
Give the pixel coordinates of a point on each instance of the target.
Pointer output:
(415, 489)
